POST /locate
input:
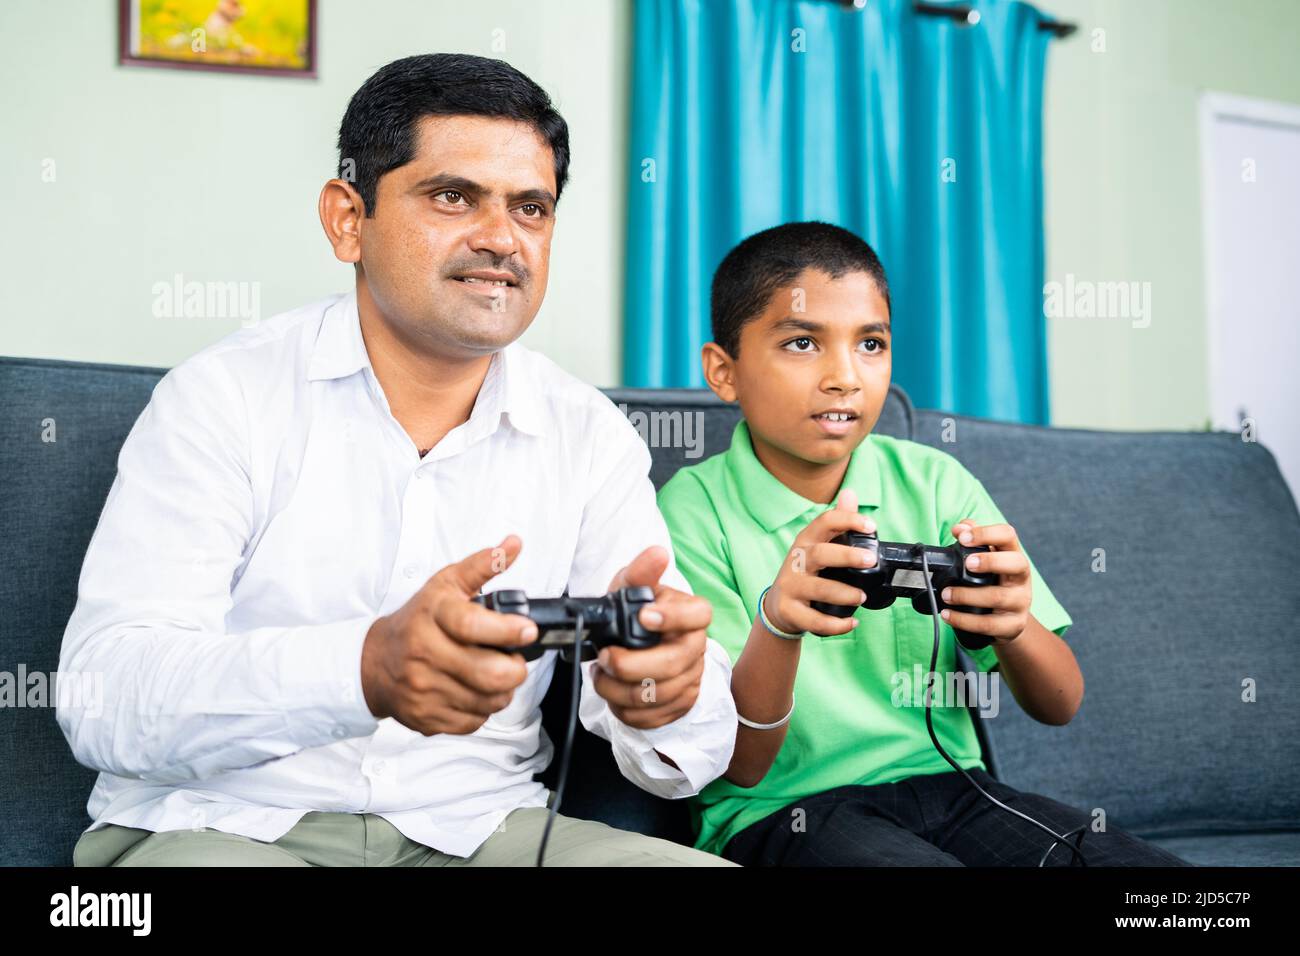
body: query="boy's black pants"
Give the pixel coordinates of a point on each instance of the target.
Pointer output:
(930, 820)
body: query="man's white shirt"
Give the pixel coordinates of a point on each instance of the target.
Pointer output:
(267, 508)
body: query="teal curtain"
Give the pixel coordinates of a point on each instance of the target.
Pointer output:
(921, 135)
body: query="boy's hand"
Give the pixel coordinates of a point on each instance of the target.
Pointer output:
(1009, 599)
(653, 686)
(788, 601)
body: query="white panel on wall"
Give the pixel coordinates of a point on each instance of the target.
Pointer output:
(1251, 154)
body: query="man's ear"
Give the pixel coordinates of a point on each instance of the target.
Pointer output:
(341, 211)
(719, 371)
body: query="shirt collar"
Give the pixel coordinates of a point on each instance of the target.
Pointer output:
(772, 504)
(508, 387)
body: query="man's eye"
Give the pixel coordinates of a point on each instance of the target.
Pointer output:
(453, 194)
(802, 338)
(874, 345)
(537, 210)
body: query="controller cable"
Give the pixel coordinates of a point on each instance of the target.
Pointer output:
(575, 698)
(1057, 838)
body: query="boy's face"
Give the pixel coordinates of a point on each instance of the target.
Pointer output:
(821, 345)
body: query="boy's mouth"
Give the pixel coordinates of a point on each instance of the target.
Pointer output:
(836, 421)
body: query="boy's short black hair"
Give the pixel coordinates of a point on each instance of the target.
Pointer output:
(767, 261)
(378, 133)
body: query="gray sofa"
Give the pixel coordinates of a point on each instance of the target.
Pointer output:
(1188, 729)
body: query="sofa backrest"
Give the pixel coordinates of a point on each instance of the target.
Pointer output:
(1186, 639)
(61, 427)
(1176, 554)
(1194, 609)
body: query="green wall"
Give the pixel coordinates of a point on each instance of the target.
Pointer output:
(1123, 189)
(215, 177)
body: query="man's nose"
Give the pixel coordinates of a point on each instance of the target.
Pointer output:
(493, 232)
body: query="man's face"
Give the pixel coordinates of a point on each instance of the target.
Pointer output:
(821, 345)
(457, 254)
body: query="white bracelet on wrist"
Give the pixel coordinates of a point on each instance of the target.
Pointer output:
(772, 628)
(780, 723)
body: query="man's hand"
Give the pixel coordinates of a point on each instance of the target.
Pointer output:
(788, 604)
(1009, 599)
(654, 686)
(423, 664)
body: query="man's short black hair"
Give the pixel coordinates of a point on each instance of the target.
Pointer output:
(378, 133)
(769, 260)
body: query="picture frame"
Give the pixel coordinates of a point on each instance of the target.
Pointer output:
(265, 37)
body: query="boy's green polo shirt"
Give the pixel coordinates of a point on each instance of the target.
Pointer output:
(732, 524)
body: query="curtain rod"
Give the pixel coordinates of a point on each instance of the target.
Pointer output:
(969, 16)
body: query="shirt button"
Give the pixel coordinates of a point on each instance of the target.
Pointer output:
(410, 570)
(379, 767)
(339, 732)
(419, 476)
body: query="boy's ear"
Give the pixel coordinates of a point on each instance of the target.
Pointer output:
(719, 371)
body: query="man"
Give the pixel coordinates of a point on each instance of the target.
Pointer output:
(278, 593)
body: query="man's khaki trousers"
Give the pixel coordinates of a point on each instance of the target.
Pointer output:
(352, 839)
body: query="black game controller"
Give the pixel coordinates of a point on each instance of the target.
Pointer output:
(611, 620)
(898, 573)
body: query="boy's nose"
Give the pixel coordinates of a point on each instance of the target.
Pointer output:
(840, 376)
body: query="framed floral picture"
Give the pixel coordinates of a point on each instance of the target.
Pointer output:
(274, 37)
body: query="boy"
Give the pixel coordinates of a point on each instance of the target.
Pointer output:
(837, 773)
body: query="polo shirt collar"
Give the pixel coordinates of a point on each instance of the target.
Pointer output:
(772, 504)
(509, 386)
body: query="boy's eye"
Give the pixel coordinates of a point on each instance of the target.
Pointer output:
(804, 344)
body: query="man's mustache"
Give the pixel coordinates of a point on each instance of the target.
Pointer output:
(520, 274)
